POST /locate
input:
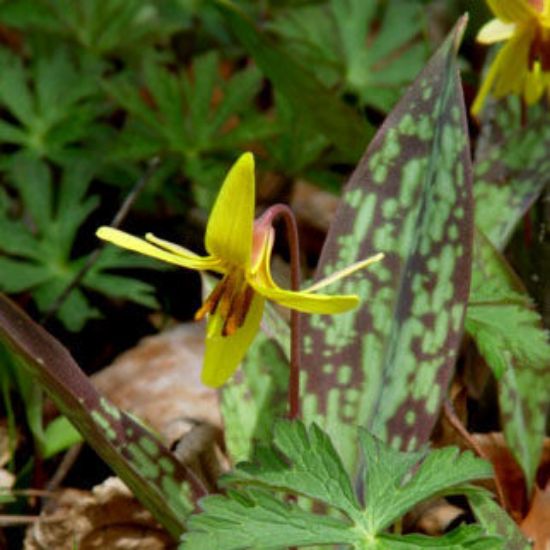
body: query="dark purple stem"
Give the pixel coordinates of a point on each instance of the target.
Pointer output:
(283, 211)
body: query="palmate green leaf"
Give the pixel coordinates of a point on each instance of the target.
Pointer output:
(103, 28)
(182, 119)
(512, 167)
(339, 39)
(510, 336)
(165, 487)
(180, 116)
(387, 364)
(37, 253)
(55, 104)
(330, 116)
(497, 522)
(303, 462)
(299, 145)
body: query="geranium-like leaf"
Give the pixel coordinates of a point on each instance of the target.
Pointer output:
(512, 167)
(387, 365)
(157, 479)
(318, 104)
(303, 461)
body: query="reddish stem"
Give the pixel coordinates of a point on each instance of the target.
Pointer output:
(284, 212)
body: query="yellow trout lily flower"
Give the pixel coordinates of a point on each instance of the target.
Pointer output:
(240, 251)
(522, 65)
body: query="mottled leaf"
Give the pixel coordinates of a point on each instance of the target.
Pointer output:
(509, 335)
(497, 522)
(254, 398)
(512, 167)
(163, 484)
(387, 365)
(330, 116)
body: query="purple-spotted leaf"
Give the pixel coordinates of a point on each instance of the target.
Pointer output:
(387, 364)
(512, 167)
(497, 522)
(509, 334)
(165, 487)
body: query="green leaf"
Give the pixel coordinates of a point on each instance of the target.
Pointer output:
(510, 336)
(254, 398)
(38, 247)
(387, 364)
(329, 115)
(14, 93)
(369, 49)
(59, 435)
(159, 481)
(18, 276)
(512, 167)
(497, 522)
(33, 181)
(298, 145)
(54, 101)
(181, 118)
(104, 29)
(304, 462)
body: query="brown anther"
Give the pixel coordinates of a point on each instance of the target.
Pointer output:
(539, 50)
(239, 308)
(211, 303)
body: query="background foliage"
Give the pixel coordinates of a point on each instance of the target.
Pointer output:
(95, 94)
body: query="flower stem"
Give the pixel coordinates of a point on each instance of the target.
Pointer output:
(284, 212)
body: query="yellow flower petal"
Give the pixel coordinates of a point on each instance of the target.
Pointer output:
(534, 85)
(495, 31)
(223, 354)
(307, 302)
(344, 272)
(512, 11)
(507, 71)
(229, 230)
(513, 64)
(171, 247)
(125, 240)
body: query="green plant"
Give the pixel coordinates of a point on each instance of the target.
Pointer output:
(304, 463)
(38, 244)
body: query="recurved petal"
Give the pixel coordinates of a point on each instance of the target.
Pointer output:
(510, 60)
(512, 11)
(125, 240)
(307, 302)
(495, 31)
(345, 272)
(223, 354)
(229, 229)
(513, 64)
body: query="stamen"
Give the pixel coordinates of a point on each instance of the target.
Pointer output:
(239, 309)
(211, 303)
(228, 297)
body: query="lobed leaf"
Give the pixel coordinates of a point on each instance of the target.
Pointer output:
(328, 114)
(304, 462)
(39, 247)
(368, 49)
